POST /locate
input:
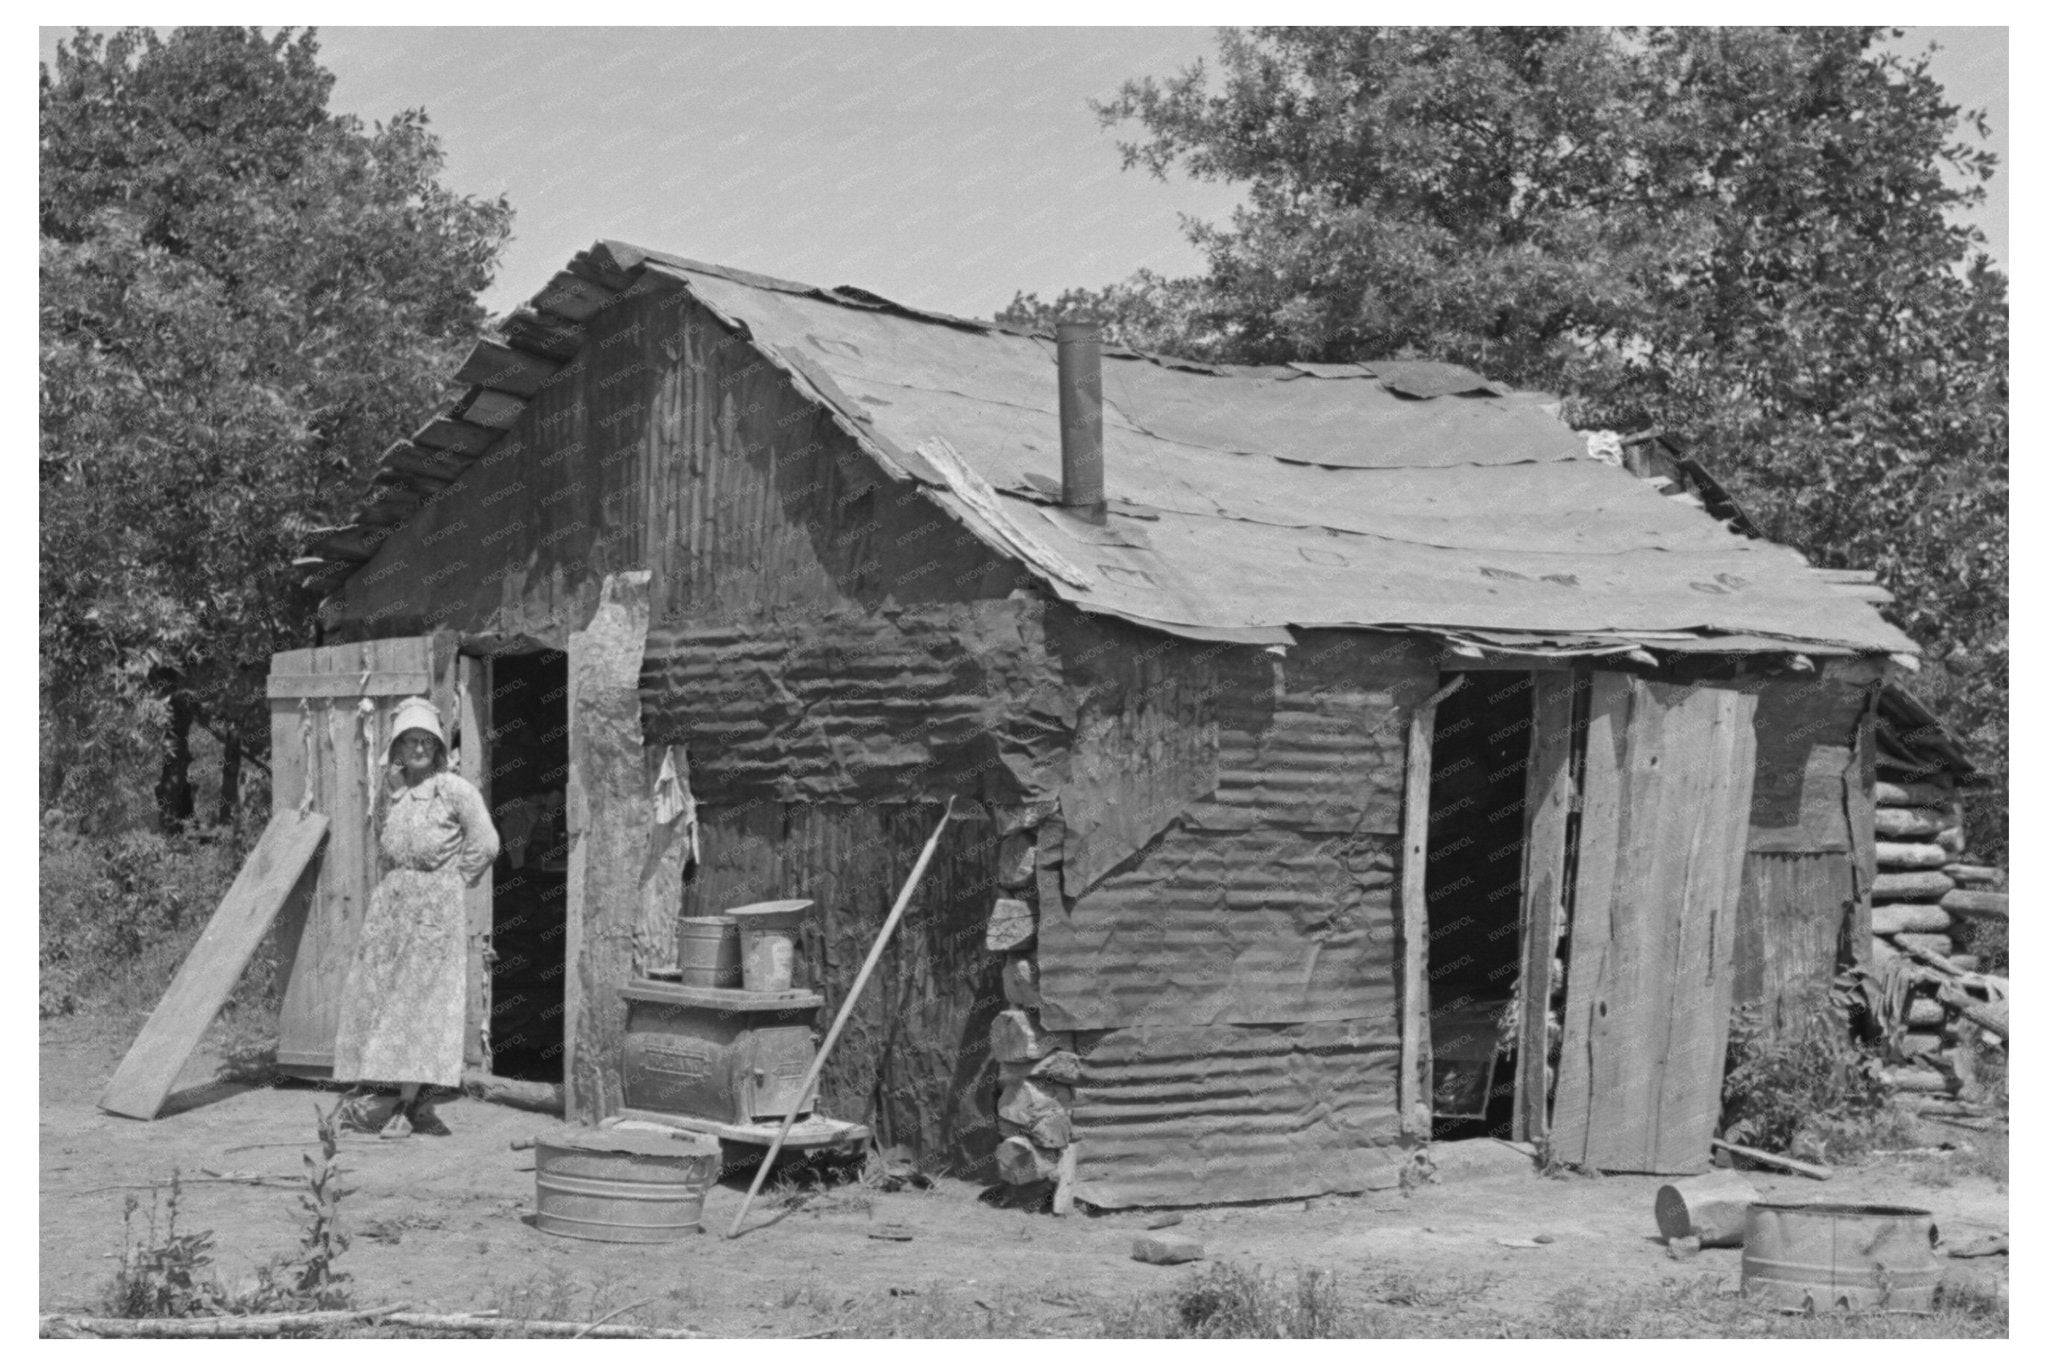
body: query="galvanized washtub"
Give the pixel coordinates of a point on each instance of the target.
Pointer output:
(630, 1186)
(1858, 1257)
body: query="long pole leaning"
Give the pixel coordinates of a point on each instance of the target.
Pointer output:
(845, 1012)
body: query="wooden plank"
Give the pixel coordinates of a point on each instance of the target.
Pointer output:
(398, 683)
(472, 760)
(544, 334)
(291, 769)
(1795, 908)
(1783, 1163)
(1546, 811)
(209, 972)
(455, 436)
(572, 297)
(1859, 796)
(1571, 1111)
(1680, 764)
(1412, 1086)
(390, 505)
(489, 408)
(299, 1045)
(495, 365)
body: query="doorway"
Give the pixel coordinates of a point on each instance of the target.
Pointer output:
(1473, 891)
(527, 958)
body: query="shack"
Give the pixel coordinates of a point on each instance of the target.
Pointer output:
(1357, 756)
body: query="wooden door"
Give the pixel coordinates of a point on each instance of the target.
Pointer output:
(330, 728)
(1664, 825)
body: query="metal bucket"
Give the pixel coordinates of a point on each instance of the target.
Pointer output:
(615, 1186)
(768, 942)
(708, 951)
(1854, 1257)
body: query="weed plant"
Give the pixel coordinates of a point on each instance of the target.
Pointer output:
(1809, 1089)
(171, 1274)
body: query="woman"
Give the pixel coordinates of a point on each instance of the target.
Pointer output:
(402, 1010)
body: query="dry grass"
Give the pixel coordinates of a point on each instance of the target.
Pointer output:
(1704, 1307)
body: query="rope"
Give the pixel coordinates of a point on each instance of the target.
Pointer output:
(373, 790)
(306, 742)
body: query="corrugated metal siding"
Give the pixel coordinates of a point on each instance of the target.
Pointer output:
(668, 444)
(913, 1061)
(1272, 899)
(1239, 926)
(857, 707)
(1201, 1115)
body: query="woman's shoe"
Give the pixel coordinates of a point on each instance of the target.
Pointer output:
(426, 1122)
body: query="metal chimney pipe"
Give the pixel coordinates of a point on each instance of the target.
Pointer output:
(1080, 360)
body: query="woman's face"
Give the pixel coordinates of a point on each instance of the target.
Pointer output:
(416, 750)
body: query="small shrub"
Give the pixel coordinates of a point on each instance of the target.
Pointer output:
(1810, 1089)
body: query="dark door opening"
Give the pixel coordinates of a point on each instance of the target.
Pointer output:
(1473, 890)
(529, 768)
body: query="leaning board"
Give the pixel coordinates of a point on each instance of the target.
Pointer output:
(215, 963)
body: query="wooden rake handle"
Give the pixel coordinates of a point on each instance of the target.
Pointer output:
(845, 1012)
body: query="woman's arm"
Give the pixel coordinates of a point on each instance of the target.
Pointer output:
(479, 836)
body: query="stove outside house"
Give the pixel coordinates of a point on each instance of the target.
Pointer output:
(721, 1047)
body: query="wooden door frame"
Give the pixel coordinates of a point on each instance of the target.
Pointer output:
(471, 709)
(1547, 802)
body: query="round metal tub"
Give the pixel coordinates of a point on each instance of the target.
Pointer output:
(1854, 1257)
(610, 1186)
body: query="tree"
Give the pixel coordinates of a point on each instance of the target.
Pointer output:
(243, 296)
(1746, 239)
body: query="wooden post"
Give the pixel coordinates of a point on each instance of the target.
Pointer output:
(472, 717)
(1413, 1084)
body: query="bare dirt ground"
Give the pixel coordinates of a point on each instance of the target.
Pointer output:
(438, 1223)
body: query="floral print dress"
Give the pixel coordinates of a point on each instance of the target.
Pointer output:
(402, 1010)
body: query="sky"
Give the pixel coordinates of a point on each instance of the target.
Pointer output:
(948, 168)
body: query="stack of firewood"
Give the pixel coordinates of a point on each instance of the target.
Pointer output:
(1038, 1068)
(1923, 892)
